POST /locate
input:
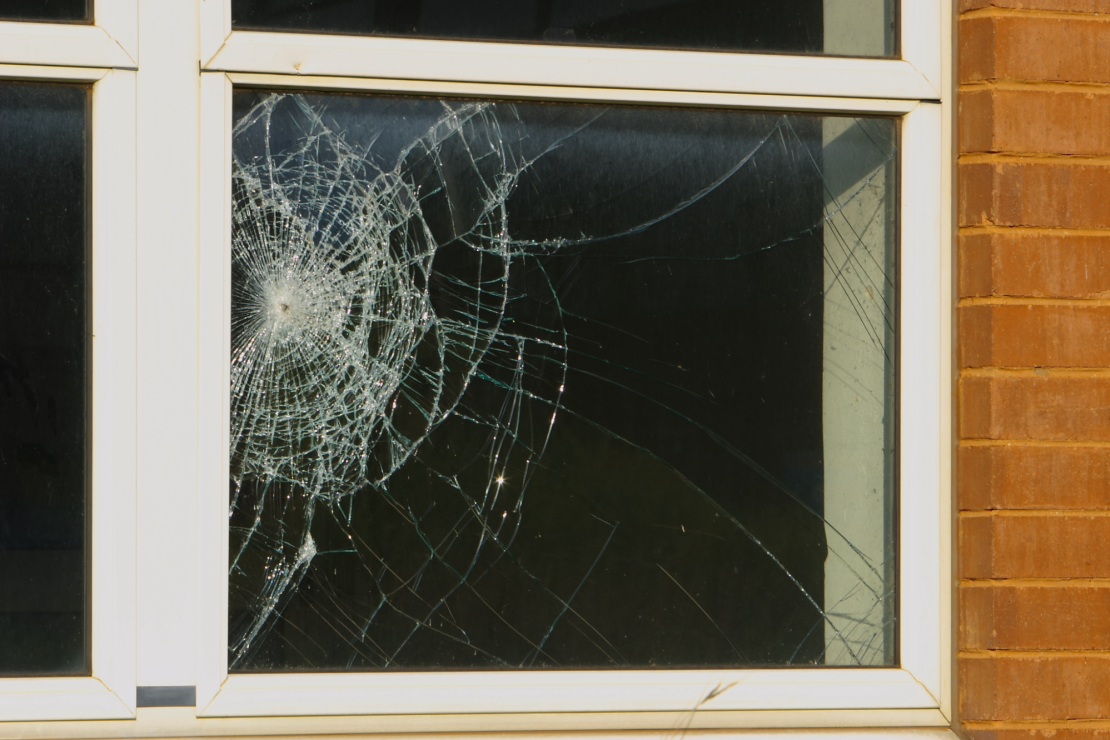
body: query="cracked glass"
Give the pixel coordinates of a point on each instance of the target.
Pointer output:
(44, 396)
(841, 27)
(58, 11)
(524, 385)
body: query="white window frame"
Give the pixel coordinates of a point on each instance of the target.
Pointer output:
(102, 56)
(915, 699)
(917, 694)
(110, 41)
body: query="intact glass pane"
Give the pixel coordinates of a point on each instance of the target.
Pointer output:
(846, 27)
(63, 11)
(44, 379)
(540, 385)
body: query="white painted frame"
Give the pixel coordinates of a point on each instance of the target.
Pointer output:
(916, 87)
(918, 694)
(110, 41)
(523, 64)
(109, 693)
(918, 75)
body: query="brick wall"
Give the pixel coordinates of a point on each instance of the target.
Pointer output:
(1034, 280)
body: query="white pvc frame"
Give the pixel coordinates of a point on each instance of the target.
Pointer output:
(109, 693)
(917, 87)
(918, 75)
(918, 694)
(111, 41)
(102, 55)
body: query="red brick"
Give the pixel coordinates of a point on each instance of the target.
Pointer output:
(975, 121)
(1054, 122)
(1038, 265)
(975, 53)
(1031, 47)
(1035, 688)
(975, 408)
(1037, 733)
(1035, 617)
(1076, 6)
(975, 546)
(1054, 193)
(975, 345)
(976, 486)
(1021, 407)
(976, 266)
(1035, 193)
(976, 199)
(1023, 477)
(1034, 336)
(1034, 546)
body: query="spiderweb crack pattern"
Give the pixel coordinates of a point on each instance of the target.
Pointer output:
(331, 264)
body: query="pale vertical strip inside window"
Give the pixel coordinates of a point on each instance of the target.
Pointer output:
(859, 415)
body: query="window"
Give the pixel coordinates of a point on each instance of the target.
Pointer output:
(795, 26)
(45, 610)
(465, 363)
(271, 99)
(534, 384)
(68, 235)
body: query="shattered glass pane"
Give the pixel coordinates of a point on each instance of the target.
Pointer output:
(524, 385)
(58, 11)
(44, 400)
(847, 27)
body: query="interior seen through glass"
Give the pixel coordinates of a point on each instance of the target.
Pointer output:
(65, 11)
(542, 385)
(44, 378)
(846, 27)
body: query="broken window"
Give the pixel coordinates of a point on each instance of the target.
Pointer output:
(852, 27)
(547, 385)
(44, 380)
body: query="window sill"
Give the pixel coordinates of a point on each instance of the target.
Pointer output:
(182, 722)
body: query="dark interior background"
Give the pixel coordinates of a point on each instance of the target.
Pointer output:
(794, 26)
(43, 379)
(65, 11)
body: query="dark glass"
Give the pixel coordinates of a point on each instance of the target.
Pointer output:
(44, 401)
(851, 27)
(57, 11)
(523, 385)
